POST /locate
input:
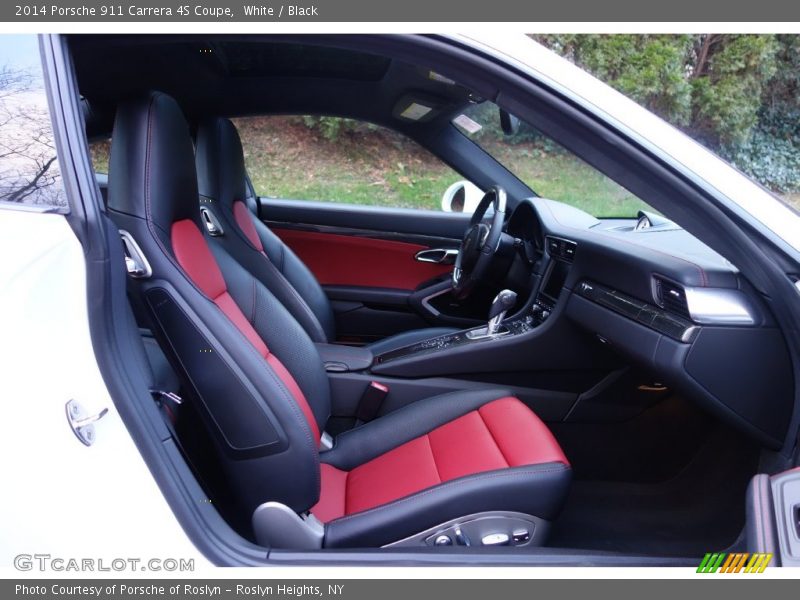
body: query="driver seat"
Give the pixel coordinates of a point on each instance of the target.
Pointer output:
(222, 186)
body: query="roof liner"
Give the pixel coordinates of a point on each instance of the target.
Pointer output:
(243, 75)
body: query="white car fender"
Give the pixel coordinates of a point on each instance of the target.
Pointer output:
(62, 497)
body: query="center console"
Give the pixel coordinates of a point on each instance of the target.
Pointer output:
(454, 340)
(561, 254)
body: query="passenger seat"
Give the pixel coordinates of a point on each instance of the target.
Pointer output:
(222, 185)
(470, 466)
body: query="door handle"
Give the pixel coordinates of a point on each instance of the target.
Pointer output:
(442, 256)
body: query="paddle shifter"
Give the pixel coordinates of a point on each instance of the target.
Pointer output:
(502, 303)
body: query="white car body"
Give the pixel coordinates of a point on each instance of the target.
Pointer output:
(62, 498)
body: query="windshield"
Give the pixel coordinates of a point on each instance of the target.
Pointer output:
(549, 169)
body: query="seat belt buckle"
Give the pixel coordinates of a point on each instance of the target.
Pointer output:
(371, 401)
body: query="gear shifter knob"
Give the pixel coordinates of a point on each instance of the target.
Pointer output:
(501, 304)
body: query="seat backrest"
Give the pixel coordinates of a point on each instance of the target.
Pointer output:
(223, 190)
(257, 378)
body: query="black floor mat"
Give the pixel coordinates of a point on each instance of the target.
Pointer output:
(697, 511)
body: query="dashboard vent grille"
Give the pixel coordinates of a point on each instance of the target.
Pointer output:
(672, 297)
(561, 249)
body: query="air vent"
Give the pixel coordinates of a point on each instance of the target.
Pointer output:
(560, 248)
(672, 297)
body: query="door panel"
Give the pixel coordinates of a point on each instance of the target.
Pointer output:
(400, 222)
(349, 260)
(364, 257)
(365, 315)
(360, 323)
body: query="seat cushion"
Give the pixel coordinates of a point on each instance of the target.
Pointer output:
(497, 437)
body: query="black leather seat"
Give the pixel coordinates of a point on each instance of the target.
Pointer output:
(223, 189)
(264, 397)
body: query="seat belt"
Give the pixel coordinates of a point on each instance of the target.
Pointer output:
(371, 402)
(167, 402)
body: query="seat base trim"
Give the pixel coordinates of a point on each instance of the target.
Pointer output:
(275, 525)
(482, 529)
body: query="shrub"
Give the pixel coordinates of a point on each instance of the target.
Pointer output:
(771, 154)
(331, 128)
(737, 94)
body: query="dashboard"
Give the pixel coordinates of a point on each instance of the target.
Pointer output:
(655, 294)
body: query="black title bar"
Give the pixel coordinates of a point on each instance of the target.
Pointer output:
(454, 11)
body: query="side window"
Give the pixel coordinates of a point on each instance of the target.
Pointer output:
(29, 169)
(341, 160)
(99, 151)
(546, 167)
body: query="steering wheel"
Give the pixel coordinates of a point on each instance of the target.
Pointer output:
(480, 243)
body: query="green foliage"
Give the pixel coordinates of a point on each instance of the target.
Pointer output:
(729, 78)
(737, 94)
(783, 91)
(771, 155)
(331, 128)
(650, 69)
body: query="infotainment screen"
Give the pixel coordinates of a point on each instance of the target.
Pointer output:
(555, 280)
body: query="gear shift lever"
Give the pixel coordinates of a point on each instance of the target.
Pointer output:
(501, 304)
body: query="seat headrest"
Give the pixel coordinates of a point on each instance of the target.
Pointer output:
(151, 169)
(221, 173)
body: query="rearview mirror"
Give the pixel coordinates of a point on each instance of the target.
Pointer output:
(461, 197)
(508, 123)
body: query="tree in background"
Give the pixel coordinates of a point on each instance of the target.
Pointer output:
(650, 69)
(772, 153)
(729, 78)
(737, 94)
(28, 167)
